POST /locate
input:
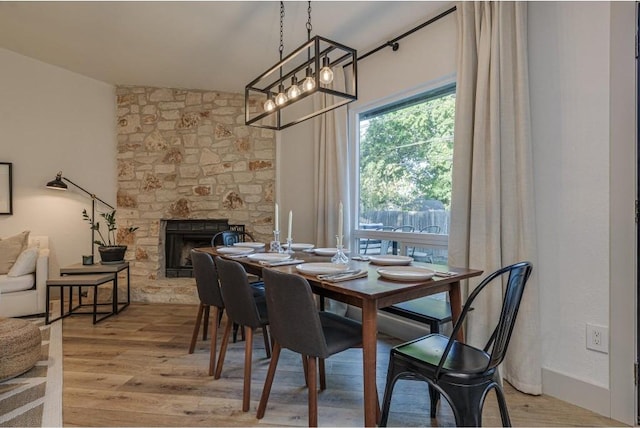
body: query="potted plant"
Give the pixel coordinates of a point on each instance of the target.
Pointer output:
(110, 251)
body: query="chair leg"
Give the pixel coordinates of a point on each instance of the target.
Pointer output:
(248, 350)
(305, 367)
(434, 397)
(466, 403)
(502, 404)
(267, 342)
(214, 338)
(323, 380)
(388, 390)
(262, 406)
(313, 393)
(205, 330)
(196, 328)
(223, 348)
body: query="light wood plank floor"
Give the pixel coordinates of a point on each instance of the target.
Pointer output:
(133, 369)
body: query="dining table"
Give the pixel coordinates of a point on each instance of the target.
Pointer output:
(369, 293)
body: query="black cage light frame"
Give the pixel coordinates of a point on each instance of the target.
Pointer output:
(307, 56)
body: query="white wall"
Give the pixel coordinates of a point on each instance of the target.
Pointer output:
(568, 62)
(51, 120)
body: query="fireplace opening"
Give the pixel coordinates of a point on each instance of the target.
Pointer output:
(181, 236)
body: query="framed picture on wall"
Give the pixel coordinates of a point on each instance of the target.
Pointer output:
(6, 194)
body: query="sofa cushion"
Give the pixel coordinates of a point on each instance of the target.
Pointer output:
(10, 249)
(26, 263)
(9, 284)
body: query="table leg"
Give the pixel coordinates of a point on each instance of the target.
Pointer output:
(115, 294)
(455, 300)
(369, 351)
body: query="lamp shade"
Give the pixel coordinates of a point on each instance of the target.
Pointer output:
(57, 183)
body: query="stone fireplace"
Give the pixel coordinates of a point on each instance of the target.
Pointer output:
(187, 155)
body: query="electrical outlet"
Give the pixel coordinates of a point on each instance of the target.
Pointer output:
(597, 338)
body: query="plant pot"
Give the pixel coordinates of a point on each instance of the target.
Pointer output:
(113, 254)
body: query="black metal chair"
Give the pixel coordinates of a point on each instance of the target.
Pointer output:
(297, 325)
(245, 311)
(428, 253)
(462, 374)
(230, 237)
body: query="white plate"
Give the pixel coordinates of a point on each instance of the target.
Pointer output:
(405, 273)
(268, 257)
(234, 250)
(318, 268)
(255, 245)
(328, 251)
(390, 260)
(299, 247)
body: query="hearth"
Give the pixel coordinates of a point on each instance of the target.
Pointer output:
(181, 236)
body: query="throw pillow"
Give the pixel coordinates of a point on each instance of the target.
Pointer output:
(26, 263)
(10, 249)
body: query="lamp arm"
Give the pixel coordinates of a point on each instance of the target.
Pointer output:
(93, 195)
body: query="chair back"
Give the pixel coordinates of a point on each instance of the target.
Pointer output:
(206, 276)
(404, 228)
(431, 229)
(237, 294)
(496, 346)
(293, 314)
(230, 237)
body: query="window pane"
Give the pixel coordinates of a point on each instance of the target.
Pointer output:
(406, 151)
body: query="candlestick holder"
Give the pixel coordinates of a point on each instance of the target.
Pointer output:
(339, 257)
(275, 246)
(289, 246)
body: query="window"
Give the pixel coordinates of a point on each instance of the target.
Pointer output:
(405, 153)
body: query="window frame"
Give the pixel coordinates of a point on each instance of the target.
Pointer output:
(402, 99)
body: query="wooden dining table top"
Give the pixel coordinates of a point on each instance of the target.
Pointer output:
(384, 292)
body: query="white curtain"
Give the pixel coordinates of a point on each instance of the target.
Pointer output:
(332, 170)
(492, 210)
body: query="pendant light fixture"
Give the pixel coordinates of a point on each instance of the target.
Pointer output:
(309, 73)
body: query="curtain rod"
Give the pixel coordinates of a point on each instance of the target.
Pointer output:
(393, 43)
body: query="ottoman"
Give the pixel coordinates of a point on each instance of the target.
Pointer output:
(20, 347)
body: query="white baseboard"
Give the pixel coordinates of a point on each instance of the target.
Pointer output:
(575, 391)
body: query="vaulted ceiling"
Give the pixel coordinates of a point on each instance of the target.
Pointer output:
(215, 45)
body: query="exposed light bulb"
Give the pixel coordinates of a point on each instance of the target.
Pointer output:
(294, 90)
(309, 82)
(281, 98)
(326, 75)
(269, 105)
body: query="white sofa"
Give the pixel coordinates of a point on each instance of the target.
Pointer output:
(26, 295)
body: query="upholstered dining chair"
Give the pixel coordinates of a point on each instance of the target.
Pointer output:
(461, 373)
(297, 325)
(208, 286)
(243, 310)
(209, 294)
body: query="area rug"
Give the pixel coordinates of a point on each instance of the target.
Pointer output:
(34, 399)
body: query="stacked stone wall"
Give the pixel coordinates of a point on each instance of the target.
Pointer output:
(186, 154)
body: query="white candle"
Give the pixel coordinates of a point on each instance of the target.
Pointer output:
(340, 222)
(290, 223)
(276, 223)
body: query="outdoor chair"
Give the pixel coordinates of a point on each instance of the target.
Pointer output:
(461, 373)
(297, 325)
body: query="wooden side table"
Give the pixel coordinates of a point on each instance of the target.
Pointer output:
(80, 281)
(98, 268)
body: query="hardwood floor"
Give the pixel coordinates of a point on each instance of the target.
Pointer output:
(133, 369)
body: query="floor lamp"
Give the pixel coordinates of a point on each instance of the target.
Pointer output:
(59, 184)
